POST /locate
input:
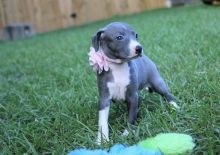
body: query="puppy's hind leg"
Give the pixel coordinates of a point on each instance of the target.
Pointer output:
(160, 87)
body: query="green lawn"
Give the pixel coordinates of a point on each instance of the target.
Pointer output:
(48, 91)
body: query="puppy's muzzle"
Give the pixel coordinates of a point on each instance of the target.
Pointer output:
(138, 50)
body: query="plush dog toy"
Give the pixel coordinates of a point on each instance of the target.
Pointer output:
(165, 143)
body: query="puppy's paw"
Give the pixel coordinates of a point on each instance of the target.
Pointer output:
(125, 133)
(174, 105)
(100, 139)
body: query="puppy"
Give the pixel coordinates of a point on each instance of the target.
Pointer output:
(122, 70)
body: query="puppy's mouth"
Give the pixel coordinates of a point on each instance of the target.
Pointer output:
(120, 60)
(132, 57)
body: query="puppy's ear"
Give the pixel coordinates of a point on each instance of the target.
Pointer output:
(96, 39)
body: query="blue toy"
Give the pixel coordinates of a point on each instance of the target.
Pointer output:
(117, 149)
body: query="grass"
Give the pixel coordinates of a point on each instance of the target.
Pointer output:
(48, 91)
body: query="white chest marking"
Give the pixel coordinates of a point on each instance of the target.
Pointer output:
(121, 79)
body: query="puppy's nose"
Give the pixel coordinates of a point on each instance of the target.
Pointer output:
(138, 49)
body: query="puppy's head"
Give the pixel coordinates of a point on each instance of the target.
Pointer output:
(118, 41)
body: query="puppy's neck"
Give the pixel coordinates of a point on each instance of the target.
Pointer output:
(116, 61)
(110, 60)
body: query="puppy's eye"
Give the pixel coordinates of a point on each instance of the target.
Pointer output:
(119, 37)
(136, 36)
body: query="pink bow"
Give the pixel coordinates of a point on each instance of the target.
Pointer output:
(98, 60)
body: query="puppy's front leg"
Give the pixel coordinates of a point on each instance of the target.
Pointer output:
(132, 102)
(133, 108)
(103, 131)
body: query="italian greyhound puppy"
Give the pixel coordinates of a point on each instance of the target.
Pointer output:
(122, 70)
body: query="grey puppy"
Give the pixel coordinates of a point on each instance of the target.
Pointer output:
(130, 71)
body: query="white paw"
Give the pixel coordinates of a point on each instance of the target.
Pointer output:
(174, 105)
(125, 133)
(100, 139)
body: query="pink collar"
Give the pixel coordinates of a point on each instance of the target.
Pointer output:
(99, 61)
